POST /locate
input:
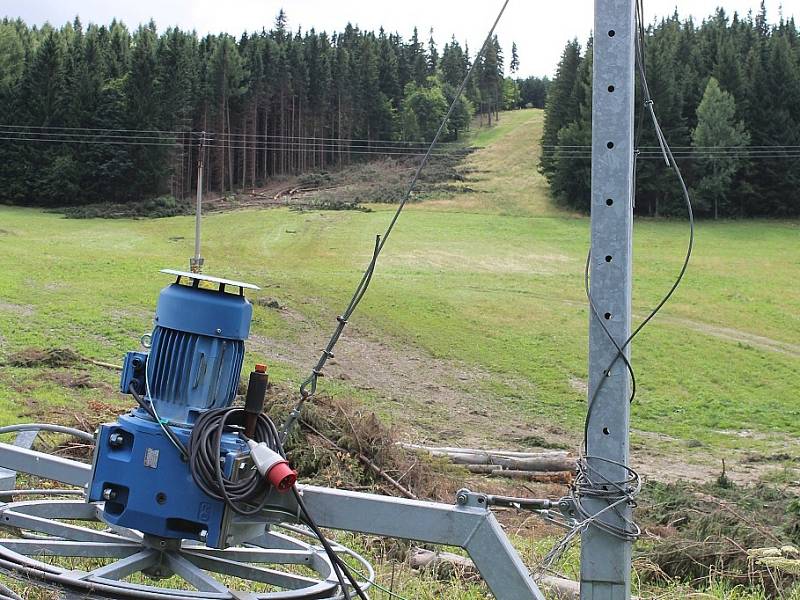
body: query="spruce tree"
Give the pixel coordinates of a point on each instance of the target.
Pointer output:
(433, 55)
(561, 108)
(718, 131)
(514, 64)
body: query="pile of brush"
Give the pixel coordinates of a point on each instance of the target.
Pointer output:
(697, 534)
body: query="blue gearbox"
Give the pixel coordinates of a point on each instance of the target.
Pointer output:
(193, 365)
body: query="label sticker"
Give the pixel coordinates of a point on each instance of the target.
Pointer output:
(151, 458)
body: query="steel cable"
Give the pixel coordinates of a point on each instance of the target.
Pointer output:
(309, 386)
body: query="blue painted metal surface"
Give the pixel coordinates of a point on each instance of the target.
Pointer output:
(151, 485)
(133, 373)
(197, 350)
(202, 311)
(194, 364)
(189, 373)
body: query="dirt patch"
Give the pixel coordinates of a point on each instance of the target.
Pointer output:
(37, 357)
(579, 385)
(270, 302)
(530, 264)
(422, 393)
(22, 310)
(439, 401)
(735, 335)
(76, 380)
(351, 187)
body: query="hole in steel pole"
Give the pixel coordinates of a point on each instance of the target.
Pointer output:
(608, 258)
(607, 316)
(611, 88)
(610, 145)
(609, 201)
(611, 33)
(606, 431)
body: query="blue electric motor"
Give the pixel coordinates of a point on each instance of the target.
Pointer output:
(193, 365)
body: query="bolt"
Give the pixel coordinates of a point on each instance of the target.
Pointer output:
(462, 498)
(115, 440)
(219, 330)
(109, 494)
(203, 535)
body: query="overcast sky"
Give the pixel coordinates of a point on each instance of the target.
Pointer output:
(539, 27)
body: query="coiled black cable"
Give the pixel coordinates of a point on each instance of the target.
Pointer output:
(245, 491)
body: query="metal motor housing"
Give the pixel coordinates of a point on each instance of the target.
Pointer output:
(193, 365)
(197, 350)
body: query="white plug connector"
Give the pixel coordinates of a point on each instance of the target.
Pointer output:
(272, 466)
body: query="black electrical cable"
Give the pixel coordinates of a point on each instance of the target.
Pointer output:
(339, 566)
(166, 428)
(244, 491)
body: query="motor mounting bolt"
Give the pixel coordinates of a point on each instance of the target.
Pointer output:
(115, 440)
(203, 535)
(462, 498)
(109, 494)
(219, 330)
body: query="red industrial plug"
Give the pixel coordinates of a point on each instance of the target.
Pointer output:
(272, 466)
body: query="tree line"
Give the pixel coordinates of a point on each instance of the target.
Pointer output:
(727, 93)
(105, 114)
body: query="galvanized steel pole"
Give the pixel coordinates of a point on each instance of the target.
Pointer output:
(606, 559)
(196, 263)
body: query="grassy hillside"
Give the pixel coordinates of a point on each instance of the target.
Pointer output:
(475, 327)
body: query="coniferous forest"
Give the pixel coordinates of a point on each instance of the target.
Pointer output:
(100, 113)
(727, 93)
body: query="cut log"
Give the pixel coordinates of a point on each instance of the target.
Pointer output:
(451, 450)
(530, 461)
(542, 463)
(443, 565)
(535, 476)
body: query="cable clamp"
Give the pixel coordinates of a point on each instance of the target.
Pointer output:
(341, 320)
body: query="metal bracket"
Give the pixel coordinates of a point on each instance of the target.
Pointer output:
(464, 497)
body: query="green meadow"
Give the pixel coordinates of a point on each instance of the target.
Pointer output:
(488, 279)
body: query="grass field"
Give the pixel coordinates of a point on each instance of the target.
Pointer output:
(478, 299)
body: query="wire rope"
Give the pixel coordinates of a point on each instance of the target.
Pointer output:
(309, 386)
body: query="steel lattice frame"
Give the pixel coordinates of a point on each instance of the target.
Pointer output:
(49, 528)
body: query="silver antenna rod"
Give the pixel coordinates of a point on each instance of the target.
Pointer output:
(196, 262)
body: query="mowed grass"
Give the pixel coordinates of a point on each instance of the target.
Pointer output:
(491, 277)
